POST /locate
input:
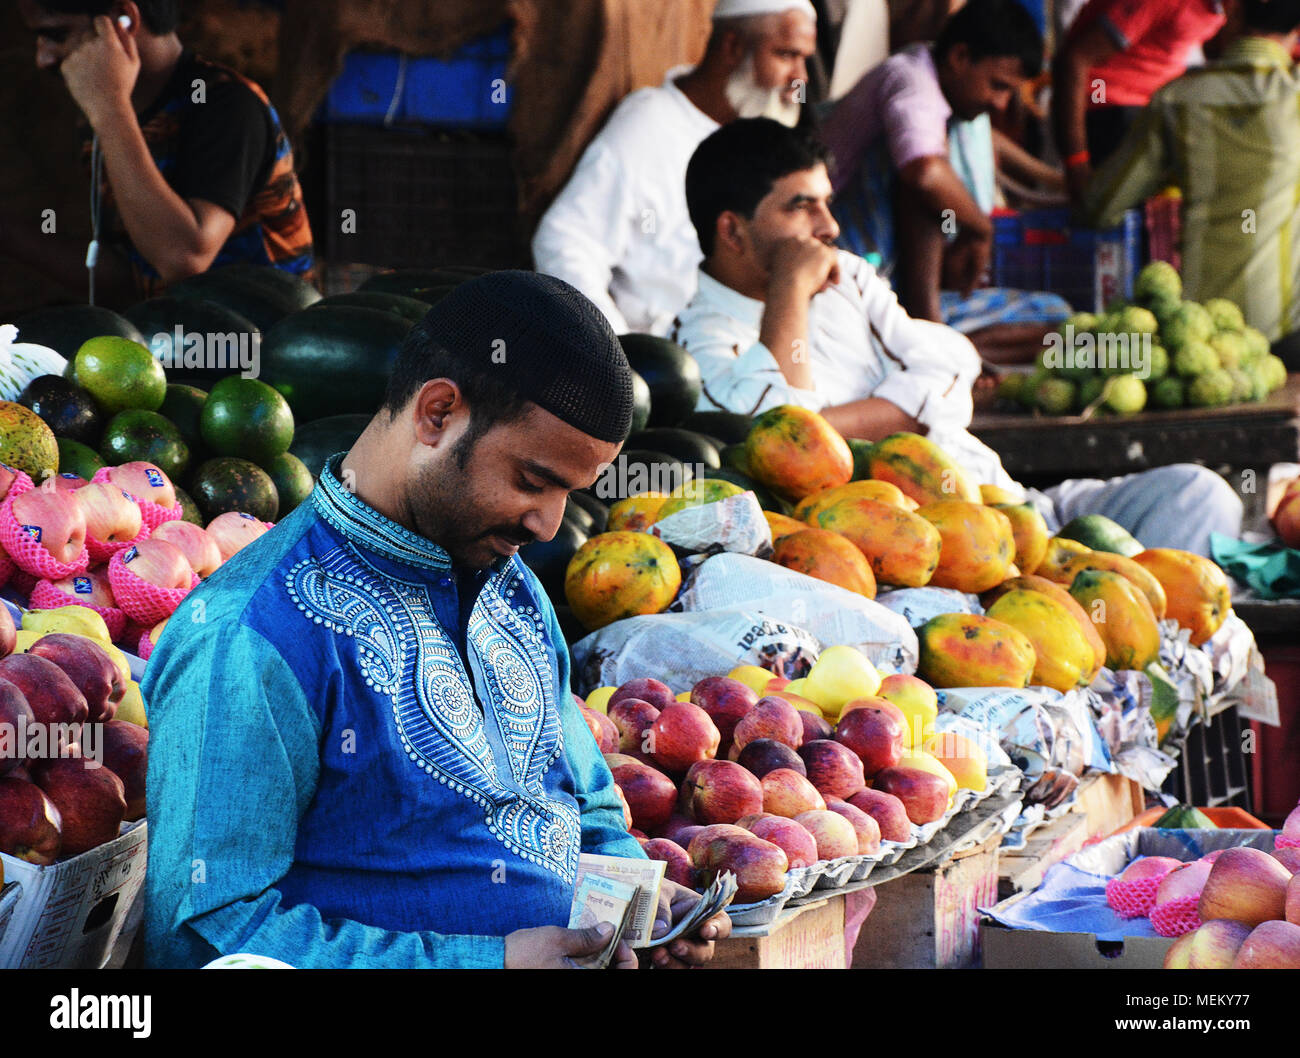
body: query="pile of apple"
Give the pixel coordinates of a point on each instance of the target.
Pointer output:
(739, 773)
(70, 772)
(116, 544)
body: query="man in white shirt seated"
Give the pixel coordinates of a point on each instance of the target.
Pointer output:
(619, 230)
(783, 317)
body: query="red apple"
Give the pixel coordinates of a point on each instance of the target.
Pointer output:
(54, 698)
(602, 727)
(1270, 946)
(924, 794)
(8, 632)
(674, 828)
(1215, 944)
(195, 542)
(875, 735)
(720, 791)
(815, 726)
(627, 809)
(726, 701)
(833, 833)
(648, 690)
(650, 794)
(1245, 885)
(31, 828)
(54, 520)
(864, 825)
(1292, 908)
(759, 866)
(144, 481)
(90, 668)
(68, 482)
(787, 793)
(1286, 519)
(799, 846)
(633, 717)
(1288, 858)
(158, 562)
(679, 869)
(7, 477)
(833, 768)
(16, 717)
(89, 797)
(772, 718)
(112, 515)
(887, 810)
(90, 589)
(125, 751)
(682, 734)
(766, 754)
(234, 531)
(699, 841)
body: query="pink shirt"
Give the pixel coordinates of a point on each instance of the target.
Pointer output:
(901, 100)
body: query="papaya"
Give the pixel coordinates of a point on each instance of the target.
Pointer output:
(977, 544)
(697, 494)
(1064, 656)
(996, 495)
(972, 650)
(1030, 533)
(636, 513)
(795, 452)
(921, 469)
(1122, 616)
(1197, 590)
(902, 547)
(1125, 567)
(1031, 582)
(872, 490)
(827, 556)
(1059, 551)
(621, 574)
(782, 525)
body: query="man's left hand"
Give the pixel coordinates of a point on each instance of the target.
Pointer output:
(686, 951)
(102, 72)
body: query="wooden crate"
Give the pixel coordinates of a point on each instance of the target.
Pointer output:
(929, 919)
(1022, 869)
(812, 938)
(1107, 802)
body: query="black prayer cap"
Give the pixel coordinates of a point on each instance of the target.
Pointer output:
(548, 343)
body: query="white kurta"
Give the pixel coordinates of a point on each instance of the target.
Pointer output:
(862, 344)
(620, 231)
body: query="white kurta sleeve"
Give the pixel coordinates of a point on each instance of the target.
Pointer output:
(584, 233)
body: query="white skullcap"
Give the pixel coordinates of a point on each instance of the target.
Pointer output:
(750, 8)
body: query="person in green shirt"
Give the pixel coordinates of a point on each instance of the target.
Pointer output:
(1228, 135)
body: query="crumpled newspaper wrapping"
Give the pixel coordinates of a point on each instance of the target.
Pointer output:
(919, 605)
(831, 614)
(1048, 735)
(732, 524)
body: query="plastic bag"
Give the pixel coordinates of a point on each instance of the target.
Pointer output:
(22, 362)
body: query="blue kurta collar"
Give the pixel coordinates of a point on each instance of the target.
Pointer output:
(370, 530)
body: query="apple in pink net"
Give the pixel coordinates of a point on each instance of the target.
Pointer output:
(887, 810)
(112, 515)
(720, 791)
(799, 846)
(924, 794)
(1149, 867)
(90, 588)
(53, 697)
(833, 833)
(726, 701)
(679, 868)
(195, 542)
(772, 718)
(633, 717)
(650, 690)
(681, 735)
(54, 520)
(8, 632)
(833, 768)
(158, 562)
(765, 754)
(1288, 858)
(125, 749)
(815, 726)
(16, 716)
(91, 800)
(31, 828)
(864, 826)
(144, 481)
(787, 793)
(90, 668)
(650, 794)
(234, 531)
(875, 735)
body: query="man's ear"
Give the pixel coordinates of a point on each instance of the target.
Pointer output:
(731, 232)
(436, 407)
(733, 49)
(959, 57)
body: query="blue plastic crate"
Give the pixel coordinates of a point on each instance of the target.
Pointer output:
(1042, 250)
(467, 90)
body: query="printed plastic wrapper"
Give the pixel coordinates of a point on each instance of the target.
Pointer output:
(732, 524)
(683, 648)
(919, 605)
(833, 615)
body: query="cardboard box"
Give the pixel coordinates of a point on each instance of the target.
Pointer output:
(929, 919)
(811, 939)
(70, 913)
(1032, 949)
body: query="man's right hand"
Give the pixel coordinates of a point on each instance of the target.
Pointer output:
(804, 264)
(555, 948)
(966, 262)
(1077, 179)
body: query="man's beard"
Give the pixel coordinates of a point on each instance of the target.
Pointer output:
(751, 100)
(443, 502)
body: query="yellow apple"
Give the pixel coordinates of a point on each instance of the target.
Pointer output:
(599, 698)
(840, 674)
(962, 757)
(753, 677)
(917, 700)
(919, 758)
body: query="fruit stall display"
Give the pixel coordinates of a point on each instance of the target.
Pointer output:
(1156, 352)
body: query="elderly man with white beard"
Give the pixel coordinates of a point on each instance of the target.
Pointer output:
(619, 231)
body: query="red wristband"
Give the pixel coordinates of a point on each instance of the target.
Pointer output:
(1077, 159)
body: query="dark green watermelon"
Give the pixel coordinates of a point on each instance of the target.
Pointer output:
(314, 442)
(67, 409)
(548, 559)
(263, 295)
(767, 499)
(407, 308)
(64, 328)
(686, 445)
(189, 362)
(596, 512)
(861, 457)
(727, 426)
(640, 403)
(635, 471)
(671, 373)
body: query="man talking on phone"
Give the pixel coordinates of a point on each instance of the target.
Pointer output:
(189, 166)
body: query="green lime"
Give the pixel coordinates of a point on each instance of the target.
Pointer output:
(137, 434)
(120, 374)
(1126, 395)
(183, 405)
(245, 417)
(79, 459)
(189, 509)
(293, 481)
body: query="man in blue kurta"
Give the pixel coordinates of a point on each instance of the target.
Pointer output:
(364, 752)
